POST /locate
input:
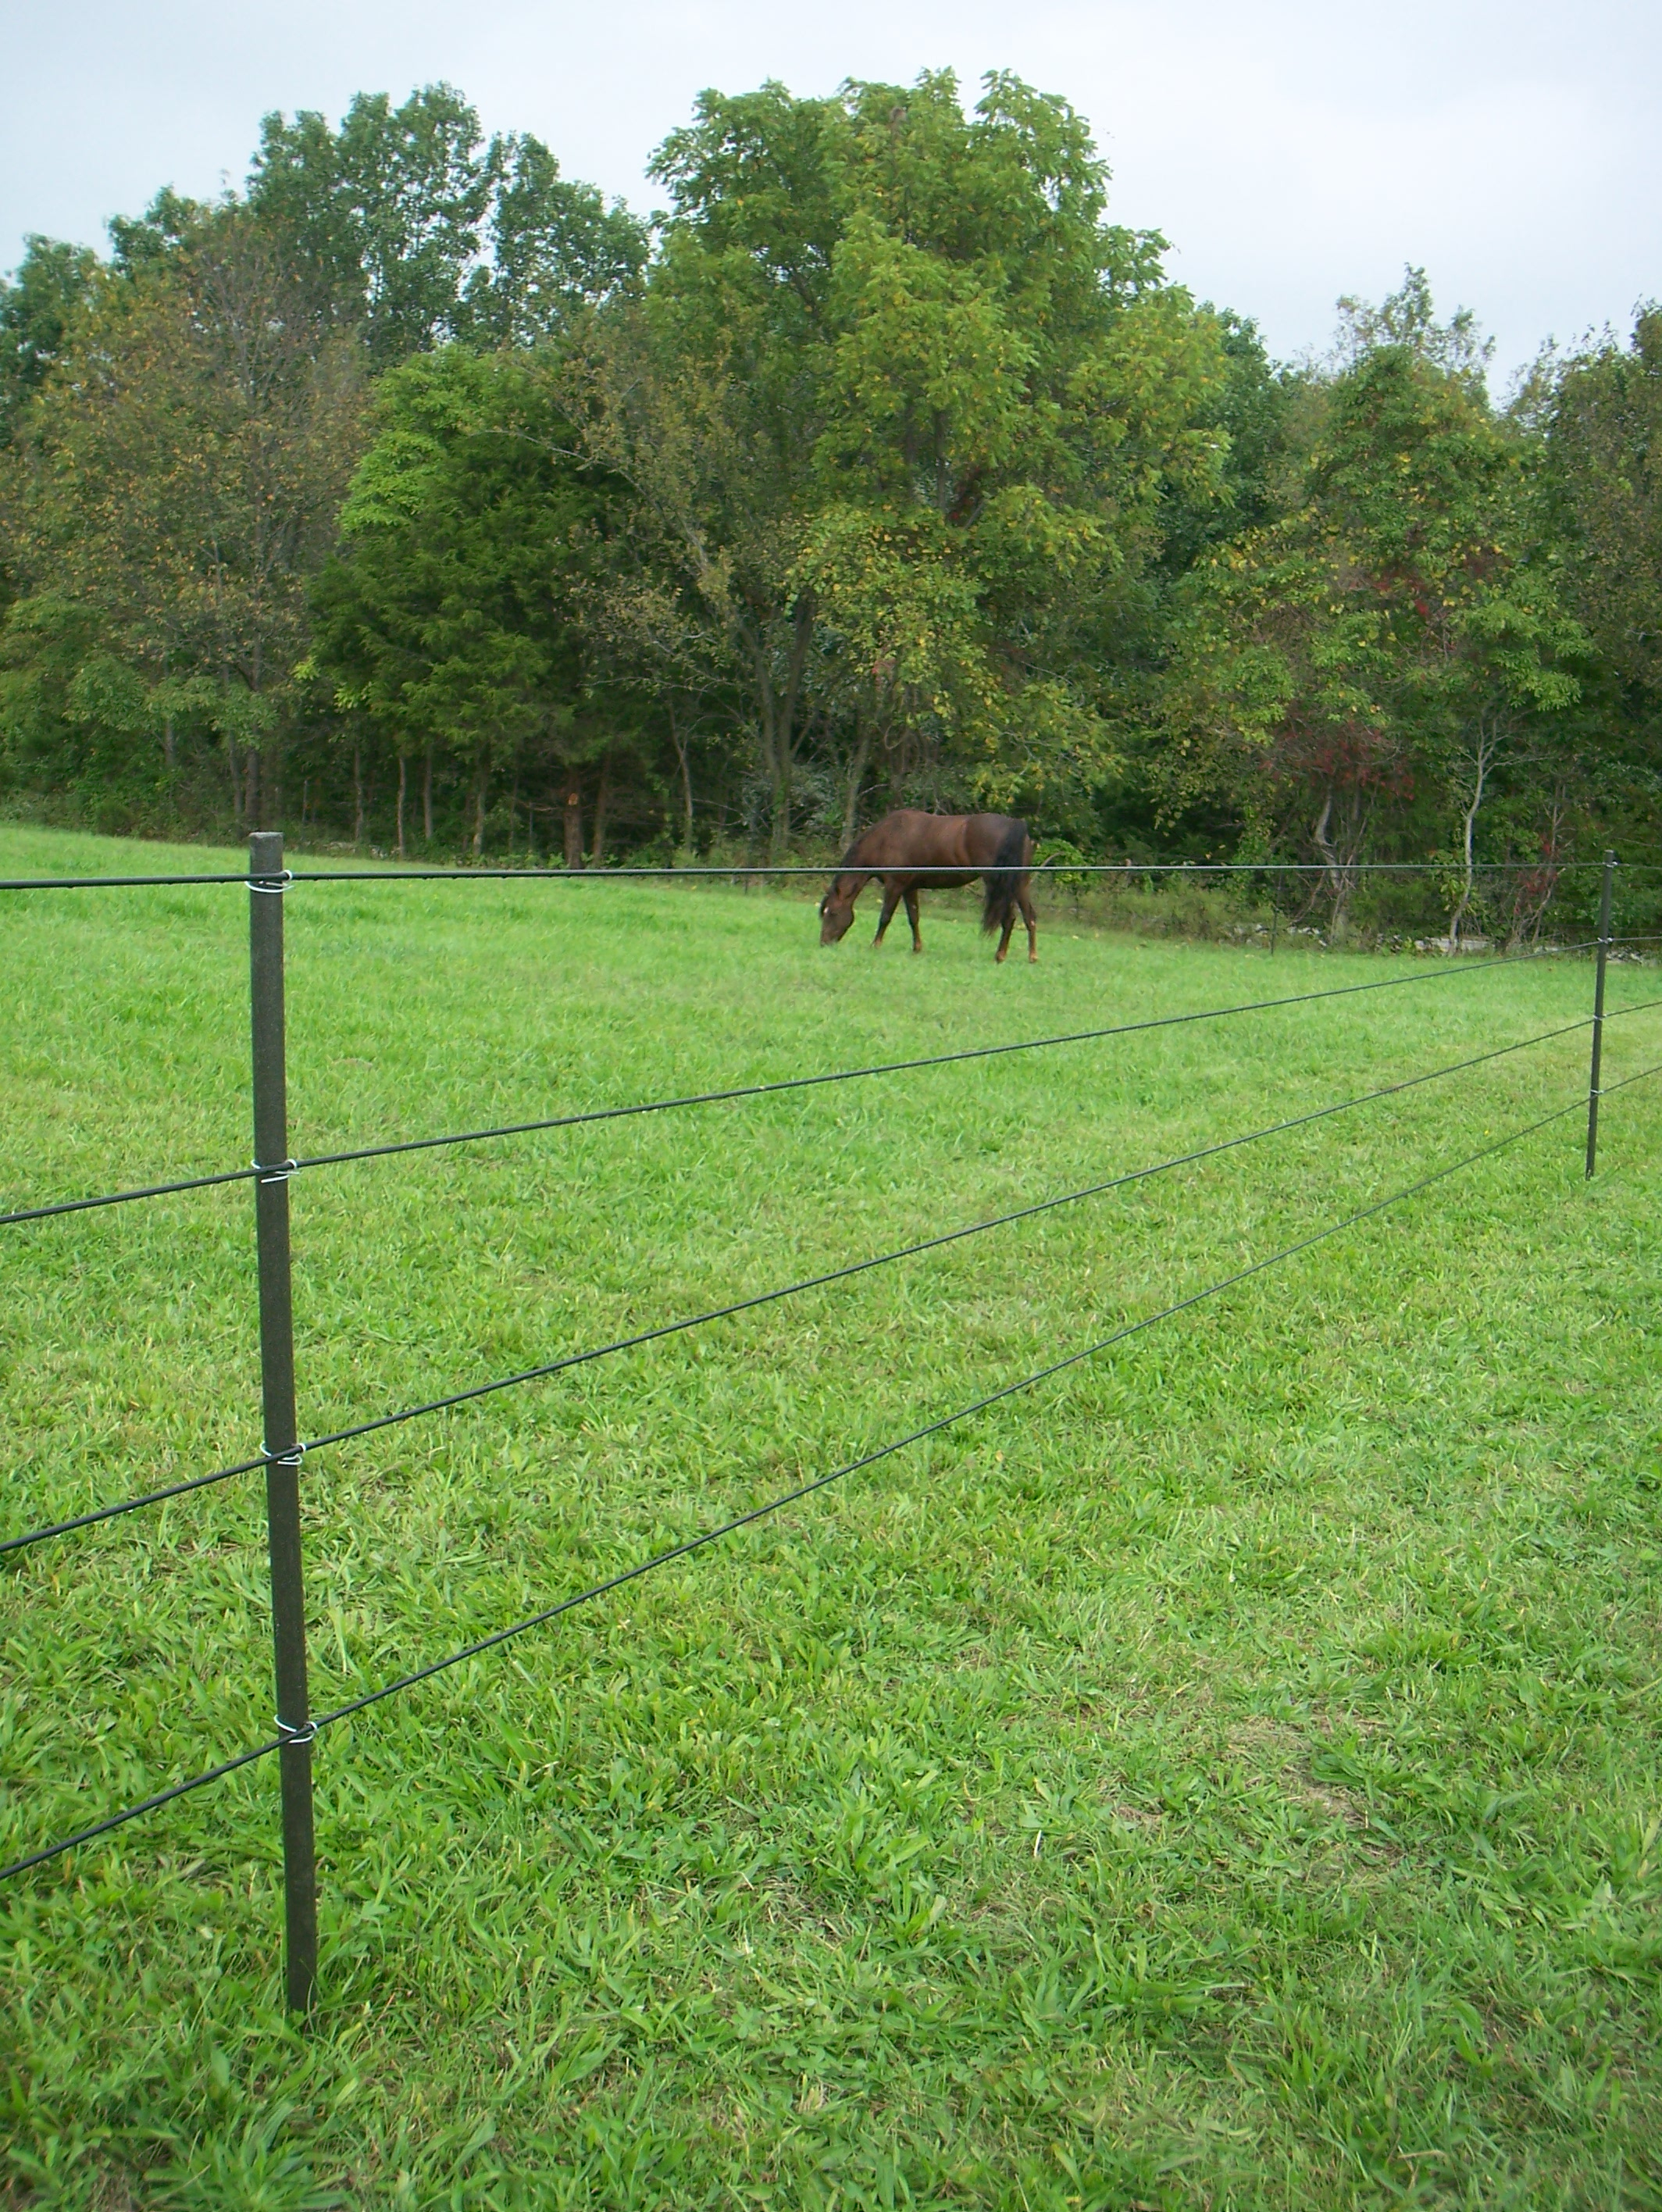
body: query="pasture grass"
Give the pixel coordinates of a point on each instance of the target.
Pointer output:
(1227, 1775)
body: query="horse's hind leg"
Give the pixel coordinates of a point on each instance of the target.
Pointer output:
(891, 900)
(1004, 942)
(1031, 921)
(912, 916)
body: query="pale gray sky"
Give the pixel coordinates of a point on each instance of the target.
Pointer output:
(1290, 150)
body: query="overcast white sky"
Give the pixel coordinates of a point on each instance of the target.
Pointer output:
(1290, 150)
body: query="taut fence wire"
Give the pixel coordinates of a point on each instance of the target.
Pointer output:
(283, 1451)
(548, 1369)
(50, 1207)
(772, 1505)
(400, 872)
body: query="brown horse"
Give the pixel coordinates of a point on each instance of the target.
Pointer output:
(935, 852)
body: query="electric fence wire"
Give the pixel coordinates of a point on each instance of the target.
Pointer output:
(54, 1208)
(548, 1369)
(1127, 872)
(397, 873)
(777, 1505)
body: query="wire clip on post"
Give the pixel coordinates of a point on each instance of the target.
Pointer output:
(1605, 889)
(280, 1434)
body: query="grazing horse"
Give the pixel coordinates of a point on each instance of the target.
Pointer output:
(915, 852)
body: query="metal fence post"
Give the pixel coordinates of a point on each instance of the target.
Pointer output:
(266, 879)
(1598, 1011)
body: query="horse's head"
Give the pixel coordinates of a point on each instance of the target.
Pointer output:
(837, 910)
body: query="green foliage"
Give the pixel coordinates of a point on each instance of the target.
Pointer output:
(386, 212)
(556, 247)
(170, 497)
(390, 215)
(1604, 469)
(958, 396)
(37, 308)
(452, 614)
(1399, 633)
(1406, 320)
(884, 468)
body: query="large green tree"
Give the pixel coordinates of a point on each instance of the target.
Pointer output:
(1395, 644)
(902, 407)
(409, 222)
(1603, 423)
(38, 306)
(174, 484)
(452, 620)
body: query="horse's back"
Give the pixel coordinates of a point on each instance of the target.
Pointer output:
(909, 838)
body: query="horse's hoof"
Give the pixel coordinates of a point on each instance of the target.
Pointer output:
(999, 958)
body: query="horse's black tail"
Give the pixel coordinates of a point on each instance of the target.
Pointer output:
(1009, 865)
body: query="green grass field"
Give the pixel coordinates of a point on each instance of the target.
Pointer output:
(1228, 1775)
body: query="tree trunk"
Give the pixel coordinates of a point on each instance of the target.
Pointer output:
(601, 797)
(403, 785)
(779, 719)
(775, 759)
(481, 794)
(357, 795)
(426, 795)
(573, 820)
(250, 797)
(1341, 873)
(781, 795)
(1480, 767)
(859, 760)
(684, 761)
(899, 767)
(168, 743)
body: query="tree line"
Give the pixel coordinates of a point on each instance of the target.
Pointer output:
(414, 497)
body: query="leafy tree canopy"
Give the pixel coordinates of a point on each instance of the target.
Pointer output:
(931, 401)
(408, 220)
(53, 283)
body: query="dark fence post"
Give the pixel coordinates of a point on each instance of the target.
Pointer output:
(266, 879)
(1599, 1012)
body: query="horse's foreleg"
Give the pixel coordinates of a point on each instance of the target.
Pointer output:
(912, 916)
(1032, 921)
(891, 900)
